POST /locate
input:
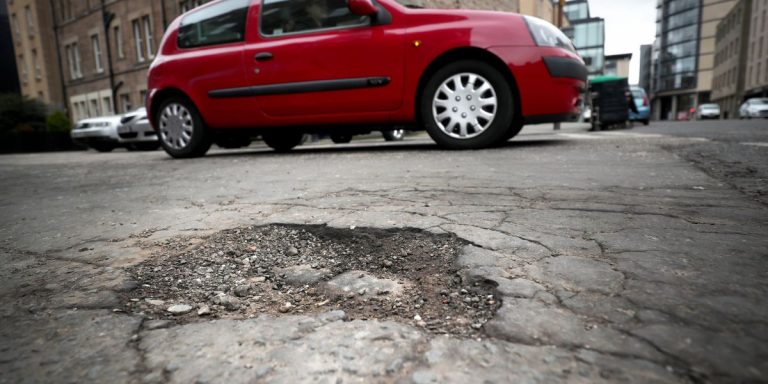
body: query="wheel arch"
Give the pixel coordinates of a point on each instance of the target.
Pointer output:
(165, 94)
(468, 53)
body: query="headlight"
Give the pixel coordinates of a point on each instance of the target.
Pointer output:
(127, 119)
(547, 35)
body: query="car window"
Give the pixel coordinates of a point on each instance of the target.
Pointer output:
(279, 17)
(759, 101)
(219, 23)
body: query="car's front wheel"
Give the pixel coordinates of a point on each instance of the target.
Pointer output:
(467, 105)
(394, 135)
(341, 139)
(103, 147)
(283, 141)
(182, 131)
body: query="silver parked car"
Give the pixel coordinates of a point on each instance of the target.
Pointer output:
(708, 111)
(136, 132)
(104, 134)
(757, 108)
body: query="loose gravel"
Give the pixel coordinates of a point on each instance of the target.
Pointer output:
(404, 275)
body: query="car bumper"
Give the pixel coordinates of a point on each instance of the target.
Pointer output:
(709, 116)
(95, 135)
(550, 82)
(136, 133)
(642, 114)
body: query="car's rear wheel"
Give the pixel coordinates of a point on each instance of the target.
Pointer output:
(283, 141)
(181, 129)
(394, 135)
(151, 146)
(102, 147)
(341, 139)
(466, 105)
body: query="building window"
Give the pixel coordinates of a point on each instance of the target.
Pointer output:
(149, 40)
(73, 57)
(24, 69)
(30, 21)
(125, 101)
(118, 32)
(94, 110)
(106, 105)
(65, 10)
(36, 63)
(142, 96)
(186, 5)
(16, 28)
(139, 40)
(97, 53)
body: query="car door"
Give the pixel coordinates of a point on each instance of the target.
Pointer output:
(343, 64)
(209, 57)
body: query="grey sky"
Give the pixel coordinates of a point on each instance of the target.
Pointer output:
(628, 24)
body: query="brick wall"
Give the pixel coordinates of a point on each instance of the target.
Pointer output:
(492, 5)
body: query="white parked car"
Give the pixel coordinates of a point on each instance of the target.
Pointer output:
(708, 111)
(757, 107)
(136, 132)
(131, 131)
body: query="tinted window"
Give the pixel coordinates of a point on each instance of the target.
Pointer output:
(220, 23)
(290, 16)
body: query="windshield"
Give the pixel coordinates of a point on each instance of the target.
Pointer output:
(760, 101)
(411, 3)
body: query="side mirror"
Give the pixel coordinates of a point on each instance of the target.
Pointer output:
(362, 7)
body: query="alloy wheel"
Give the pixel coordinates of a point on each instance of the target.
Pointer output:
(465, 105)
(176, 126)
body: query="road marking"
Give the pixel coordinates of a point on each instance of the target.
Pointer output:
(611, 135)
(756, 144)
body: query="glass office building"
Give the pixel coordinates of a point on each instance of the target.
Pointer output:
(684, 54)
(678, 30)
(587, 34)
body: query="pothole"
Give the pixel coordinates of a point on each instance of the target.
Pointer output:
(404, 275)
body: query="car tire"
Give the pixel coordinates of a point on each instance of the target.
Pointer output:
(485, 100)
(181, 129)
(646, 122)
(101, 147)
(283, 141)
(341, 139)
(394, 135)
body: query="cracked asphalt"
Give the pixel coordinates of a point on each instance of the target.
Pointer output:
(635, 256)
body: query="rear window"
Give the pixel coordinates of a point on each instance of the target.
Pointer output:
(219, 23)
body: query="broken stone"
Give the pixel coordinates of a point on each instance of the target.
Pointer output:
(204, 311)
(179, 309)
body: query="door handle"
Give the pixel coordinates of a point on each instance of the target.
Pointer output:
(263, 56)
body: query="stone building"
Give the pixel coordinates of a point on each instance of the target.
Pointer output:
(756, 81)
(34, 44)
(686, 32)
(543, 9)
(106, 49)
(617, 65)
(731, 59)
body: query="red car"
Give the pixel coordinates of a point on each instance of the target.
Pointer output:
(282, 68)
